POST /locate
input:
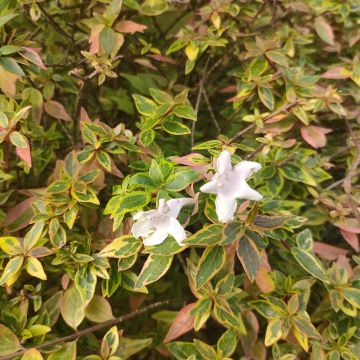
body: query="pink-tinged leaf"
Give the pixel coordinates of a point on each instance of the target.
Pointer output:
(350, 225)
(354, 39)
(146, 63)
(8, 82)
(287, 143)
(24, 154)
(94, 39)
(56, 110)
(252, 330)
(263, 279)
(183, 323)
(328, 252)
(344, 262)
(324, 30)
(351, 238)
(127, 26)
(315, 135)
(19, 216)
(135, 301)
(227, 90)
(337, 72)
(163, 58)
(84, 115)
(32, 55)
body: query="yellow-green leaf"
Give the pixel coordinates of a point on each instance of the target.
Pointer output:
(122, 247)
(273, 332)
(34, 268)
(12, 271)
(11, 245)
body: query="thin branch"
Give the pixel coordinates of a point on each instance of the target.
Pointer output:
(92, 329)
(198, 100)
(54, 24)
(206, 98)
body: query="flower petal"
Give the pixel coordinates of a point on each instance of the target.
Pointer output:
(210, 187)
(225, 208)
(177, 231)
(247, 168)
(156, 238)
(223, 162)
(175, 205)
(246, 192)
(141, 228)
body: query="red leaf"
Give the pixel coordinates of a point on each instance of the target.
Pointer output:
(337, 72)
(24, 154)
(328, 252)
(183, 323)
(56, 110)
(315, 135)
(351, 238)
(163, 58)
(127, 26)
(23, 212)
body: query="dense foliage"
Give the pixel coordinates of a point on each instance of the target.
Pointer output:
(112, 107)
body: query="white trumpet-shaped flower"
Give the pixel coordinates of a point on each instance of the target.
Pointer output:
(155, 226)
(229, 183)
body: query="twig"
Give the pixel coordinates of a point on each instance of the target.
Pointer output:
(198, 100)
(91, 329)
(54, 24)
(211, 111)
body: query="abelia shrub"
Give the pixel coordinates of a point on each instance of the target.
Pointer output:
(179, 179)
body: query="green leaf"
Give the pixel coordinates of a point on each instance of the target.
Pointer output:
(266, 97)
(273, 332)
(19, 140)
(154, 268)
(232, 232)
(201, 312)
(9, 343)
(208, 235)
(4, 19)
(211, 144)
(147, 137)
(161, 97)
(182, 350)
(227, 343)
(11, 271)
(303, 324)
(352, 295)
(32, 354)
(113, 11)
(73, 307)
(304, 240)
(104, 160)
(185, 112)
(68, 351)
(129, 347)
(270, 222)
(85, 282)
(129, 202)
(98, 310)
(144, 105)
(310, 263)
(175, 128)
(257, 67)
(34, 235)
(277, 57)
(168, 247)
(297, 174)
(123, 246)
(227, 317)
(110, 342)
(211, 262)
(206, 351)
(249, 257)
(11, 245)
(10, 65)
(107, 40)
(153, 7)
(180, 180)
(34, 268)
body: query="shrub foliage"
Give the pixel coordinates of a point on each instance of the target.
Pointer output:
(109, 108)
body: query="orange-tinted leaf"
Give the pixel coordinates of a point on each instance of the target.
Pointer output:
(127, 26)
(315, 135)
(8, 82)
(351, 238)
(183, 323)
(24, 154)
(163, 58)
(94, 39)
(56, 110)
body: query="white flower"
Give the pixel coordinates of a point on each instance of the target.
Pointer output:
(154, 226)
(229, 183)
